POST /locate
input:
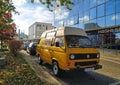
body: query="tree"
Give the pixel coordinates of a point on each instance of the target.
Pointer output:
(7, 26)
(50, 4)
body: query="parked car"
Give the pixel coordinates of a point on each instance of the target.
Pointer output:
(67, 48)
(26, 44)
(31, 49)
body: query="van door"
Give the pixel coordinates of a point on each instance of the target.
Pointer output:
(58, 51)
(48, 45)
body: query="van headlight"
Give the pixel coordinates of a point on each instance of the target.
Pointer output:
(72, 57)
(98, 55)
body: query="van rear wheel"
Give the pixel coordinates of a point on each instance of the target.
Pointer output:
(39, 59)
(56, 69)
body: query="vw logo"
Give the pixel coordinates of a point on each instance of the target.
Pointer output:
(88, 56)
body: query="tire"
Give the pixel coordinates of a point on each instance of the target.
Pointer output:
(31, 53)
(56, 70)
(39, 60)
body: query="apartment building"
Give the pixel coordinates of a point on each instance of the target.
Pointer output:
(37, 28)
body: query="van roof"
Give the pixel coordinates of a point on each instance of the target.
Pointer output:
(61, 31)
(70, 31)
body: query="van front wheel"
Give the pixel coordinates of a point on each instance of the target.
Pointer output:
(39, 59)
(56, 69)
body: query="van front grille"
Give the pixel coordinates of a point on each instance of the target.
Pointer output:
(84, 56)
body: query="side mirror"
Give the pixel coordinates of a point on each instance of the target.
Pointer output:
(57, 44)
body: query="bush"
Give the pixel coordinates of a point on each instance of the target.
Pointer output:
(14, 46)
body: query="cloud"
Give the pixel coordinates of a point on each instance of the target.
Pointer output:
(30, 13)
(19, 2)
(61, 13)
(115, 17)
(42, 15)
(85, 18)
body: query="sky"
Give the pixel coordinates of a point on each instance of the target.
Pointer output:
(30, 13)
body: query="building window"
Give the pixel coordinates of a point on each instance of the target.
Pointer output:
(76, 19)
(92, 3)
(101, 21)
(93, 13)
(117, 6)
(100, 1)
(81, 7)
(100, 11)
(86, 4)
(117, 19)
(110, 7)
(117, 38)
(81, 25)
(93, 24)
(110, 20)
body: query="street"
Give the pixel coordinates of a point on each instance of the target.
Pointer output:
(108, 75)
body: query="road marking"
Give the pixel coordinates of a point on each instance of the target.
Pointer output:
(116, 83)
(111, 60)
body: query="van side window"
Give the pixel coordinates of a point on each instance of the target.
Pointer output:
(49, 37)
(60, 40)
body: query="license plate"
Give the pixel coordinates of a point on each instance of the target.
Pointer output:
(89, 69)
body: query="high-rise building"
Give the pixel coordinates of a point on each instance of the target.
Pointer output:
(37, 28)
(100, 19)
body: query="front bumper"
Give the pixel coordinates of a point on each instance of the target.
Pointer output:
(97, 67)
(93, 68)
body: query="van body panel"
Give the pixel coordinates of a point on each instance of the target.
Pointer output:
(59, 55)
(82, 50)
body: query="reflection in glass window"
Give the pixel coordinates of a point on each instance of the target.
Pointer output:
(110, 7)
(65, 22)
(101, 21)
(76, 9)
(117, 38)
(118, 19)
(92, 3)
(100, 10)
(78, 41)
(76, 19)
(93, 24)
(81, 7)
(81, 25)
(71, 22)
(110, 20)
(100, 1)
(81, 16)
(76, 25)
(86, 16)
(60, 40)
(86, 4)
(117, 6)
(93, 13)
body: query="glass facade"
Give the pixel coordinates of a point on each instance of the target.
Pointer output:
(92, 14)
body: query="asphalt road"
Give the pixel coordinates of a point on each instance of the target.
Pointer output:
(108, 75)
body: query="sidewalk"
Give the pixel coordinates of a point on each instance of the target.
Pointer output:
(40, 70)
(110, 53)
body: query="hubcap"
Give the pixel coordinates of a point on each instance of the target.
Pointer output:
(39, 59)
(55, 69)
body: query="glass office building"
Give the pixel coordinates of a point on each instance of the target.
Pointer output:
(99, 18)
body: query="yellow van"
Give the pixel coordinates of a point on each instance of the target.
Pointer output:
(67, 48)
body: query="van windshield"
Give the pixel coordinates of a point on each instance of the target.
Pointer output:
(78, 41)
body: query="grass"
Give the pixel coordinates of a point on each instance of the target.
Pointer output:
(18, 72)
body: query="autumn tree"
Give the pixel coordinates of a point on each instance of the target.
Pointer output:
(50, 4)
(7, 26)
